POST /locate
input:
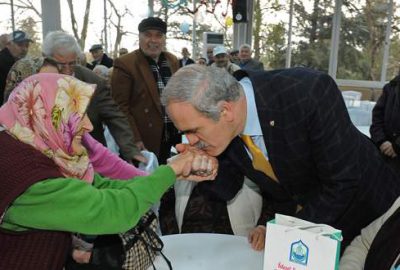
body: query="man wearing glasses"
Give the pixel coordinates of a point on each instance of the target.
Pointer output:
(64, 50)
(17, 47)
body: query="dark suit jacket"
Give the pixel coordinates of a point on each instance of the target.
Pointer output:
(188, 62)
(135, 90)
(103, 109)
(252, 64)
(321, 160)
(386, 114)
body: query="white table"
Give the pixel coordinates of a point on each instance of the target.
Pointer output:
(204, 251)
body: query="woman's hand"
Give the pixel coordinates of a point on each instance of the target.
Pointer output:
(194, 165)
(257, 237)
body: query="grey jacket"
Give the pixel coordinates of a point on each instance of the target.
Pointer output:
(103, 109)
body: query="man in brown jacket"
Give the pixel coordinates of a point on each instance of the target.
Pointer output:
(137, 81)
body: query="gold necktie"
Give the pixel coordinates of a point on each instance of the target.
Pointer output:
(260, 163)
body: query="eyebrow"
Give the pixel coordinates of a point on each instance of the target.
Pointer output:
(188, 130)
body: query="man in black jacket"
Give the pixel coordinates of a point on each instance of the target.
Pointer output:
(99, 57)
(17, 47)
(309, 152)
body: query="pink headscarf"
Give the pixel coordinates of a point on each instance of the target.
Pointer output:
(45, 111)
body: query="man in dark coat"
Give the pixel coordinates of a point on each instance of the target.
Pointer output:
(246, 61)
(99, 57)
(16, 48)
(385, 128)
(309, 152)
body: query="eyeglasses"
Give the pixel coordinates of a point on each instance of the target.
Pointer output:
(61, 65)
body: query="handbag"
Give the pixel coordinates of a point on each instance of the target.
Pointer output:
(292, 243)
(135, 249)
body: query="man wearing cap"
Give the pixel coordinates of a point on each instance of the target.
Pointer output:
(17, 47)
(99, 57)
(221, 60)
(137, 81)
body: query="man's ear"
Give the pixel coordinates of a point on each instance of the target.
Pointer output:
(227, 111)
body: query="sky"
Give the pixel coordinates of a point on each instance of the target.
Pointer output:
(138, 8)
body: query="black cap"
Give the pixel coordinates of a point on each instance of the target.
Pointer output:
(153, 23)
(20, 36)
(96, 47)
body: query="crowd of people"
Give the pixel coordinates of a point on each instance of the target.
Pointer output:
(250, 143)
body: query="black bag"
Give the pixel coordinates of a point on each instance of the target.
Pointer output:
(132, 250)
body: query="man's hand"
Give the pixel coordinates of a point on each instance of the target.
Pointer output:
(387, 149)
(257, 237)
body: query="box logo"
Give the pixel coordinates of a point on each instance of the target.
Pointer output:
(299, 253)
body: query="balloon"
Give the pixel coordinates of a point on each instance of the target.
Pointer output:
(185, 27)
(228, 21)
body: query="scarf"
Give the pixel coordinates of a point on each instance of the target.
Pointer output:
(162, 73)
(46, 111)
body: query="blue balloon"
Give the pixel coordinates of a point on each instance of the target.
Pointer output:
(185, 27)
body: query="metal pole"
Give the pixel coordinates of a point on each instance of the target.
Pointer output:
(289, 44)
(12, 15)
(194, 49)
(333, 58)
(105, 27)
(387, 42)
(50, 16)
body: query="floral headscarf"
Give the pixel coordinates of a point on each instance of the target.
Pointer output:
(45, 111)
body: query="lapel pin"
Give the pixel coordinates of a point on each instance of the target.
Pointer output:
(272, 123)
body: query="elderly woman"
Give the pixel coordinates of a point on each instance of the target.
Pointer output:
(48, 185)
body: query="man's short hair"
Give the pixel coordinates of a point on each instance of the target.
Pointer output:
(245, 46)
(152, 23)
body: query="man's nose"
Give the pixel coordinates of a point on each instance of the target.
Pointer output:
(193, 139)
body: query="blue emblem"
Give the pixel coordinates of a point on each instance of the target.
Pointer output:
(299, 253)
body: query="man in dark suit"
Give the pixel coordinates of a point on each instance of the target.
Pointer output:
(246, 61)
(64, 50)
(185, 60)
(309, 152)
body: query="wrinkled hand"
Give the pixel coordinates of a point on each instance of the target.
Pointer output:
(194, 165)
(140, 158)
(387, 149)
(81, 256)
(257, 237)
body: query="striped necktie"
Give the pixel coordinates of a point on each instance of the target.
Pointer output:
(260, 162)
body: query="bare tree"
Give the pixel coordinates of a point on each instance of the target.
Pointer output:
(82, 37)
(23, 5)
(118, 26)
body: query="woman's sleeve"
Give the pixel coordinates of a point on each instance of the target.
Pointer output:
(354, 256)
(73, 205)
(107, 163)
